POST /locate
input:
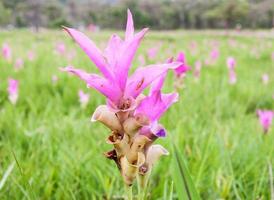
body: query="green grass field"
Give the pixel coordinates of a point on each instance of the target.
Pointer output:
(53, 151)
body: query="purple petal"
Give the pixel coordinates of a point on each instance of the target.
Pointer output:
(99, 83)
(155, 105)
(144, 76)
(161, 133)
(127, 53)
(130, 26)
(182, 68)
(91, 50)
(158, 83)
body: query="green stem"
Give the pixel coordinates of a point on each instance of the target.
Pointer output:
(129, 192)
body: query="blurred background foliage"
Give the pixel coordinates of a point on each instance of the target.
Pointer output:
(157, 14)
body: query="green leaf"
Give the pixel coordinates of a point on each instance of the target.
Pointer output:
(182, 179)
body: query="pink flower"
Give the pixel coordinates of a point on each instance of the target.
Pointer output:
(13, 90)
(31, 55)
(183, 68)
(114, 64)
(83, 98)
(272, 55)
(232, 77)
(231, 63)
(154, 105)
(265, 117)
(197, 70)
(142, 60)
(60, 48)
(19, 64)
(265, 79)
(54, 79)
(6, 51)
(214, 54)
(152, 52)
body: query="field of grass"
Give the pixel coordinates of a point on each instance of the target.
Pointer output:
(49, 149)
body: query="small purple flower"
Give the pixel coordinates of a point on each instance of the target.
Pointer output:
(265, 117)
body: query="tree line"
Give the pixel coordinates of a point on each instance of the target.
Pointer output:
(157, 14)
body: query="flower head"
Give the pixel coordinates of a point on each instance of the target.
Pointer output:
(231, 63)
(83, 98)
(19, 64)
(114, 64)
(265, 79)
(183, 68)
(13, 90)
(6, 51)
(265, 117)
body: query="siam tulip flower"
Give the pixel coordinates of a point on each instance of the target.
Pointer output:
(231, 63)
(232, 77)
(71, 55)
(265, 79)
(152, 52)
(197, 70)
(83, 98)
(183, 68)
(132, 117)
(142, 60)
(114, 63)
(19, 64)
(60, 48)
(54, 79)
(265, 117)
(13, 90)
(272, 56)
(214, 54)
(31, 55)
(6, 51)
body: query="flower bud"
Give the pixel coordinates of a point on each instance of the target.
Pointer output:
(133, 124)
(138, 145)
(108, 118)
(120, 143)
(129, 171)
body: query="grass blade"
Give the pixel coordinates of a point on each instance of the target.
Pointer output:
(182, 179)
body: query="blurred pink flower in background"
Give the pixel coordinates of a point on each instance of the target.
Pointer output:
(214, 54)
(152, 52)
(13, 90)
(183, 68)
(54, 79)
(83, 98)
(60, 48)
(272, 56)
(31, 55)
(265, 117)
(232, 77)
(197, 69)
(6, 51)
(231, 64)
(265, 79)
(141, 60)
(71, 55)
(19, 64)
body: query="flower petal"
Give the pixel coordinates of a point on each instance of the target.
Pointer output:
(156, 104)
(101, 84)
(91, 50)
(130, 26)
(144, 76)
